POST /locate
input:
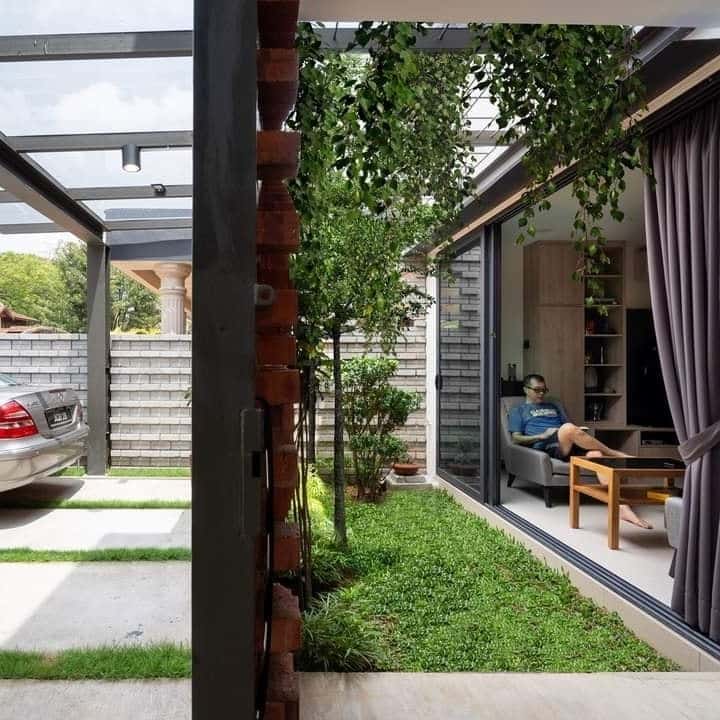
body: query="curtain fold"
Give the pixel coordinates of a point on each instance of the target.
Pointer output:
(682, 223)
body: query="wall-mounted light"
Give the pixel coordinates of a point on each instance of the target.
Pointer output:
(158, 188)
(131, 158)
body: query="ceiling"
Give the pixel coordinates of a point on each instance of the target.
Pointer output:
(670, 13)
(556, 223)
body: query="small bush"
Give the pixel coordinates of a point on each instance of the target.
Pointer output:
(336, 639)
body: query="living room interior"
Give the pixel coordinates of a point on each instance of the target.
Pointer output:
(602, 365)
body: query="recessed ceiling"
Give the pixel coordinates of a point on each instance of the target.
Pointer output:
(668, 13)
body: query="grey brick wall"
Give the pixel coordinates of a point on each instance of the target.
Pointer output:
(149, 418)
(149, 374)
(410, 353)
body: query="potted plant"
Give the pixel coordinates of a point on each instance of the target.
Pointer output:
(464, 463)
(405, 465)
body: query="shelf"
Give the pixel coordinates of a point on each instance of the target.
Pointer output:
(610, 365)
(598, 335)
(587, 394)
(606, 277)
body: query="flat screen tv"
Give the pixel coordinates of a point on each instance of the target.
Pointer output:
(646, 397)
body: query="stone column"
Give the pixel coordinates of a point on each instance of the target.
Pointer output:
(172, 296)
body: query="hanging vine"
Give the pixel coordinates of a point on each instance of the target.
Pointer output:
(568, 92)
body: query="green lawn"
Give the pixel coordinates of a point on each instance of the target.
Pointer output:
(32, 504)
(108, 555)
(106, 663)
(431, 588)
(131, 472)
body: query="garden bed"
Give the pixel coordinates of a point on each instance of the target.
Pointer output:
(427, 587)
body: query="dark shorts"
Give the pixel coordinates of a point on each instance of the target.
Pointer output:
(552, 448)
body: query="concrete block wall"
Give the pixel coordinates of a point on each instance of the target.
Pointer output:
(149, 374)
(411, 356)
(150, 423)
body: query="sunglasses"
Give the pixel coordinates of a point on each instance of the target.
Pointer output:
(538, 390)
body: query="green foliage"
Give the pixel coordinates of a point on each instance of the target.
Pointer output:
(150, 554)
(133, 307)
(32, 286)
(162, 660)
(335, 639)
(452, 594)
(567, 91)
(374, 409)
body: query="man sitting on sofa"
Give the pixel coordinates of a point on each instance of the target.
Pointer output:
(544, 426)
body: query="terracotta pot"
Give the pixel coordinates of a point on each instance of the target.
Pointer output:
(277, 85)
(277, 154)
(277, 22)
(405, 469)
(274, 270)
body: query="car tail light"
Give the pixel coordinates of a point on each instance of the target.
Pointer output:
(15, 421)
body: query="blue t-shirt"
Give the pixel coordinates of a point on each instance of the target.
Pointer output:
(535, 418)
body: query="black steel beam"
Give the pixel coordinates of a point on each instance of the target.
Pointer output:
(135, 237)
(178, 43)
(225, 518)
(100, 141)
(98, 357)
(139, 224)
(160, 250)
(96, 46)
(26, 182)
(119, 192)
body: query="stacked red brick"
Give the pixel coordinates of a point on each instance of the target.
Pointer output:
(278, 384)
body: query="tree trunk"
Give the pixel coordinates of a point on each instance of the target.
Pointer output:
(312, 413)
(339, 446)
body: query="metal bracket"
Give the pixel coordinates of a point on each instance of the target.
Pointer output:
(264, 295)
(252, 470)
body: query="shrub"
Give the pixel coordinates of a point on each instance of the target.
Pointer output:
(373, 410)
(336, 639)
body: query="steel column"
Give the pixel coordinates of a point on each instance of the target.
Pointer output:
(225, 518)
(98, 357)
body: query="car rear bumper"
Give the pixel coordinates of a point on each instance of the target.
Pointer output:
(42, 457)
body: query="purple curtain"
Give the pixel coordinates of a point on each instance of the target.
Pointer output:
(682, 219)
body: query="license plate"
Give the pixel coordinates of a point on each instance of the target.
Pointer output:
(58, 417)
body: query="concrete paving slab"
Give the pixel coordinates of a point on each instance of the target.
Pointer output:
(476, 696)
(56, 606)
(93, 529)
(101, 488)
(90, 700)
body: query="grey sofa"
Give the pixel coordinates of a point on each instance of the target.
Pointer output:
(528, 464)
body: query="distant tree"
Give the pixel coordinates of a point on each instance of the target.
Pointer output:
(133, 306)
(33, 286)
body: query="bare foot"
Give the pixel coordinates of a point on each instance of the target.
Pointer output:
(628, 514)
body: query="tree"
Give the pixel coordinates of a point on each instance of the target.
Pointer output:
(385, 158)
(133, 307)
(33, 286)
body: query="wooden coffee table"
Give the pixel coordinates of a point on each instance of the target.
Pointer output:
(613, 471)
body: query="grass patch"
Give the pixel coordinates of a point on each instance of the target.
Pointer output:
(30, 504)
(104, 663)
(130, 472)
(109, 555)
(452, 594)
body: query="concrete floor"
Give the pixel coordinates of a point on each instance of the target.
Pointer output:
(385, 696)
(473, 696)
(90, 700)
(644, 556)
(56, 606)
(93, 529)
(51, 606)
(101, 488)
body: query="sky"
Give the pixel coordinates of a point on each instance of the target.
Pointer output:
(39, 98)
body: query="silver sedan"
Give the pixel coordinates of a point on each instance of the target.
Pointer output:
(41, 431)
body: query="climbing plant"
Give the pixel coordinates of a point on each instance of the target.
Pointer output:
(568, 92)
